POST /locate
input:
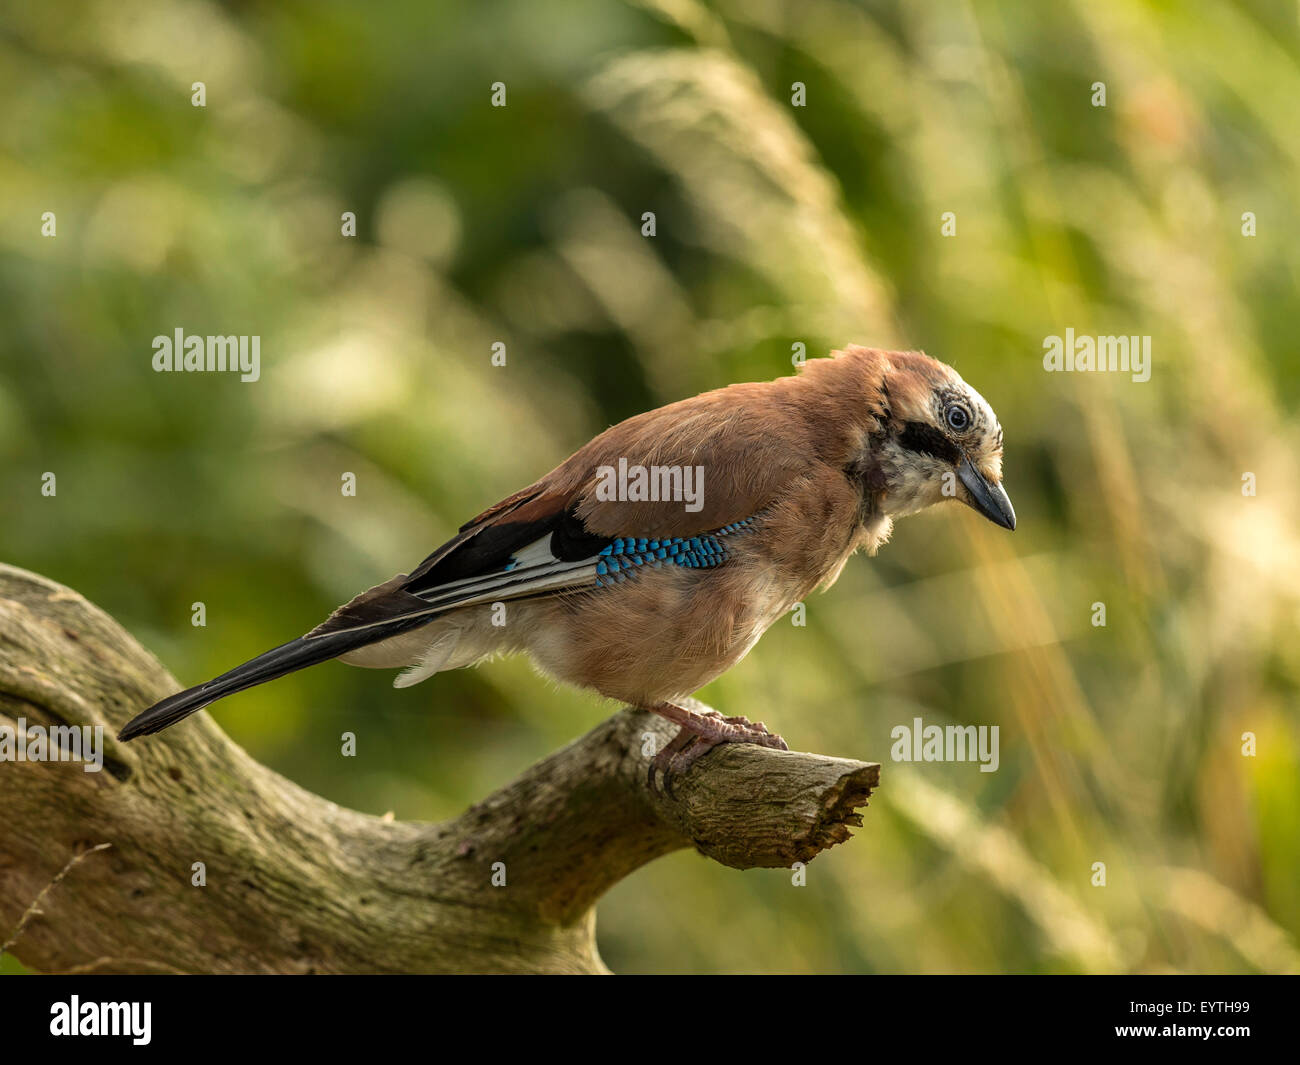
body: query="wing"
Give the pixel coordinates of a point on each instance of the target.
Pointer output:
(531, 544)
(567, 532)
(482, 556)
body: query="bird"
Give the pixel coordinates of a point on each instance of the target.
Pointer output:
(644, 586)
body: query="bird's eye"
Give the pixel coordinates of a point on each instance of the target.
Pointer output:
(958, 418)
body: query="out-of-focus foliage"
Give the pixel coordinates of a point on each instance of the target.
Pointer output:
(776, 225)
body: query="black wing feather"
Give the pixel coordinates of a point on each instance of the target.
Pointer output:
(481, 548)
(279, 661)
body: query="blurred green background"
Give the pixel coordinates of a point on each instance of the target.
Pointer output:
(776, 225)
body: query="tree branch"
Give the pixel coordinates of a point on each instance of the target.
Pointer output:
(295, 883)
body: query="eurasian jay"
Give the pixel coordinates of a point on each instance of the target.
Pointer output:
(645, 586)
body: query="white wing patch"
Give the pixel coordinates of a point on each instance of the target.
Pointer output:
(538, 553)
(532, 569)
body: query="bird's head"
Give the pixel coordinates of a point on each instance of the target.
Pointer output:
(933, 438)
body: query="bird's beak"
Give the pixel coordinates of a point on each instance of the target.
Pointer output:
(989, 499)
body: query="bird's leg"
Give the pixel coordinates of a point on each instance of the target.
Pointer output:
(701, 730)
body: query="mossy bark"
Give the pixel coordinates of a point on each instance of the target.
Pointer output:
(295, 883)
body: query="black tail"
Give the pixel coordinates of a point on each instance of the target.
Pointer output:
(287, 658)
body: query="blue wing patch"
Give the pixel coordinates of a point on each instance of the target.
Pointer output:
(626, 554)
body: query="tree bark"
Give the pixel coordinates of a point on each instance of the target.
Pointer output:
(295, 883)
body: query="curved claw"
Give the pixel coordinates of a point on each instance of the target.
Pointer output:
(699, 734)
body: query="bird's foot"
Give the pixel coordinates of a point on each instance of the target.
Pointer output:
(702, 730)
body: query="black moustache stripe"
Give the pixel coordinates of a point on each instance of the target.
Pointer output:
(927, 440)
